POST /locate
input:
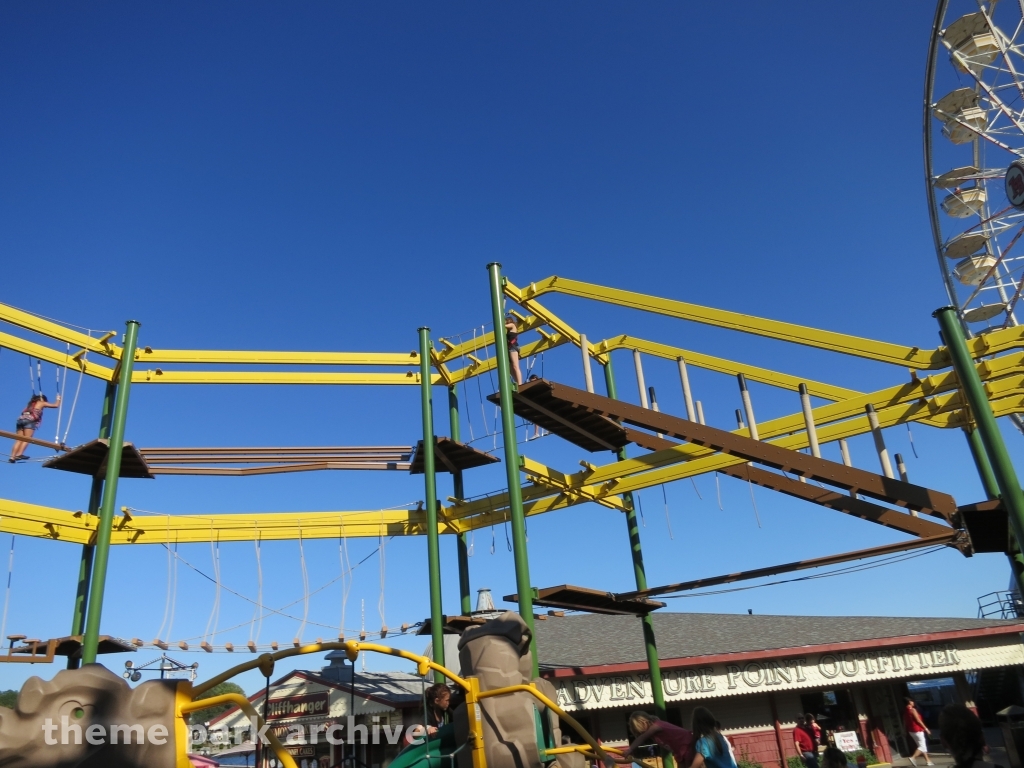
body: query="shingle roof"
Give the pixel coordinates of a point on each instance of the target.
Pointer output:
(595, 640)
(395, 688)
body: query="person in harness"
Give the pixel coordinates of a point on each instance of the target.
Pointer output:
(29, 422)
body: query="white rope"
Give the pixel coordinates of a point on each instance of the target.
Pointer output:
(305, 586)
(7, 596)
(61, 386)
(174, 593)
(74, 403)
(346, 578)
(465, 391)
(31, 376)
(383, 572)
(215, 610)
(170, 579)
(259, 592)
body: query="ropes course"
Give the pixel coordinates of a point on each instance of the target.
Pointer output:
(673, 448)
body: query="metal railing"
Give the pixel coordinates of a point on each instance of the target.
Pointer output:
(1000, 605)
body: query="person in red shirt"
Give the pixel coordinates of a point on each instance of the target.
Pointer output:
(676, 739)
(803, 740)
(918, 731)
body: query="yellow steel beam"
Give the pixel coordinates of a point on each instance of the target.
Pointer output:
(231, 357)
(450, 351)
(553, 479)
(483, 366)
(898, 354)
(54, 356)
(720, 365)
(75, 527)
(550, 318)
(159, 376)
(663, 466)
(56, 331)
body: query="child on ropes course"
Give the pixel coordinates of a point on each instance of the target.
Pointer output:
(29, 422)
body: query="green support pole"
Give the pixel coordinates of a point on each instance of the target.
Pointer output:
(988, 478)
(430, 482)
(640, 575)
(466, 602)
(103, 529)
(987, 431)
(988, 481)
(508, 432)
(85, 566)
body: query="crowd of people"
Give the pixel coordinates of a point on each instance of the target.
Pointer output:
(702, 745)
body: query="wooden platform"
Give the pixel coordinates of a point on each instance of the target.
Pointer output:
(269, 460)
(538, 402)
(27, 651)
(453, 625)
(585, 407)
(450, 456)
(573, 598)
(91, 459)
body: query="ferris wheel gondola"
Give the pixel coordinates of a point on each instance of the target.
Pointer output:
(974, 92)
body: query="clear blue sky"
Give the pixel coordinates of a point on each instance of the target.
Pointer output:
(331, 176)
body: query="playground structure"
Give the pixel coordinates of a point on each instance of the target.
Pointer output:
(970, 382)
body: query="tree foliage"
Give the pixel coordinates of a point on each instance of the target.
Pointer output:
(205, 715)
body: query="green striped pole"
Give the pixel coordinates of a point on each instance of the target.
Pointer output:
(430, 483)
(508, 430)
(90, 643)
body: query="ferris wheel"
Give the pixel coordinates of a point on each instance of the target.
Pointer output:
(974, 156)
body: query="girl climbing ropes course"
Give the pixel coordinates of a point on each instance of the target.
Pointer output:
(512, 335)
(28, 423)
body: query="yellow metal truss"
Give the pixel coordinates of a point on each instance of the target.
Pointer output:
(932, 400)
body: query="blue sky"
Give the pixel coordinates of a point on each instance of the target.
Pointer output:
(333, 176)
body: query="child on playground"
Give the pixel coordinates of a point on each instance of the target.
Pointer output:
(512, 336)
(712, 748)
(645, 726)
(29, 422)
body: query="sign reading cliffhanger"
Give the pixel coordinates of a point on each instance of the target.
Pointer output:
(813, 671)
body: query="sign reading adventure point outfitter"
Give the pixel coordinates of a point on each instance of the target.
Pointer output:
(823, 670)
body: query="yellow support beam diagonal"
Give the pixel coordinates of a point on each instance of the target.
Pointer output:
(720, 365)
(54, 356)
(31, 322)
(449, 351)
(897, 354)
(550, 318)
(527, 350)
(552, 478)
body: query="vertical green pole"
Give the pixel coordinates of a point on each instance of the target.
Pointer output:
(640, 575)
(988, 481)
(987, 429)
(508, 432)
(430, 481)
(466, 603)
(981, 462)
(85, 566)
(103, 529)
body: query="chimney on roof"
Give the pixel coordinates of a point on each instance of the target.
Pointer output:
(484, 601)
